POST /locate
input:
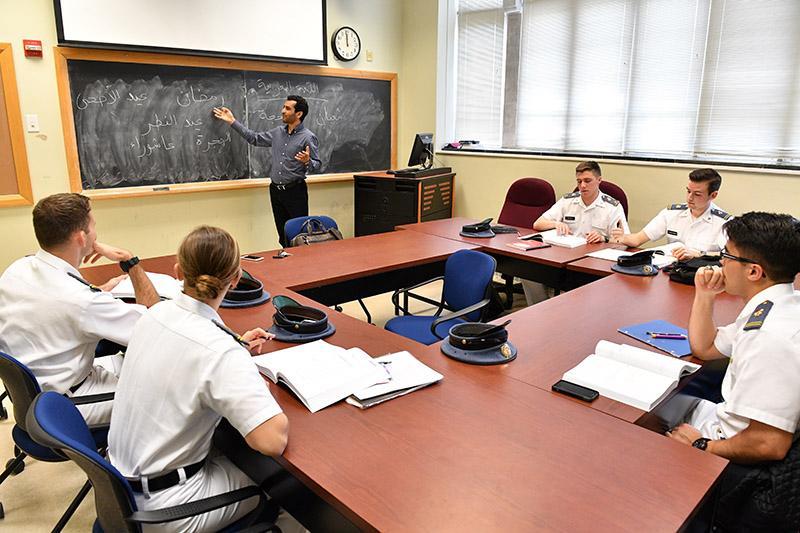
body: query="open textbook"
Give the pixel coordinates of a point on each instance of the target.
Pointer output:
(566, 241)
(405, 374)
(321, 374)
(166, 286)
(630, 375)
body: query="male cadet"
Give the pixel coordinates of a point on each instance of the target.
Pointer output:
(696, 225)
(586, 212)
(51, 319)
(761, 397)
(295, 152)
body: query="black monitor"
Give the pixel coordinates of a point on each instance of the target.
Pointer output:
(422, 152)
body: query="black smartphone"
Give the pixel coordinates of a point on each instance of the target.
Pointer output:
(576, 391)
(254, 258)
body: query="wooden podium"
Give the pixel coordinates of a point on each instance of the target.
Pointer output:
(383, 201)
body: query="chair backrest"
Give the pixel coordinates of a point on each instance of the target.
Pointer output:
(468, 280)
(526, 200)
(54, 421)
(293, 226)
(616, 192)
(21, 385)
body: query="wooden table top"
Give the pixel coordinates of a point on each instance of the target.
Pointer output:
(334, 261)
(556, 256)
(488, 447)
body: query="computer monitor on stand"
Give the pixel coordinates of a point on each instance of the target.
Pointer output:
(422, 151)
(421, 159)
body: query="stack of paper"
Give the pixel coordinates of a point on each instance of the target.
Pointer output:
(566, 241)
(321, 374)
(166, 286)
(406, 374)
(630, 375)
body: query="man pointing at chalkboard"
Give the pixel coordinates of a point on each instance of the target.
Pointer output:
(295, 153)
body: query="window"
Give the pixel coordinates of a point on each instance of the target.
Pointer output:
(687, 80)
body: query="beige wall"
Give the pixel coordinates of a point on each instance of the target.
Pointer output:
(153, 226)
(402, 37)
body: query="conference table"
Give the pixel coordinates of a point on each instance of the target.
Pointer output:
(488, 448)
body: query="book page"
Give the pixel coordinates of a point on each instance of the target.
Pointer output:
(404, 370)
(166, 286)
(566, 241)
(618, 381)
(645, 359)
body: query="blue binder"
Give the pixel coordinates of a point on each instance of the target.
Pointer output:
(674, 347)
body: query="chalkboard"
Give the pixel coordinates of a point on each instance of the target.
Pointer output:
(143, 124)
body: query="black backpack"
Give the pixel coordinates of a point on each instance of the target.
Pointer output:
(684, 271)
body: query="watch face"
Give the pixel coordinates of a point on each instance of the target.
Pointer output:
(346, 44)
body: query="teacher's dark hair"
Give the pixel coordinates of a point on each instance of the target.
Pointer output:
(769, 239)
(300, 104)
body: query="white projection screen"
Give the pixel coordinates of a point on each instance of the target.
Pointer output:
(283, 30)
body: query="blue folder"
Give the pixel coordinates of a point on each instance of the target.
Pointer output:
(674, 347)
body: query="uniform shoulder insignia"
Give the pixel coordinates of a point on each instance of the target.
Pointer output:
(677, 207)
(572, 194)
(92, 287)
(610, 200)
(238, 338)
(720, 213)
(760, 313)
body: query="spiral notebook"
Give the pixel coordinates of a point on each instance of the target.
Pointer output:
(674, 347)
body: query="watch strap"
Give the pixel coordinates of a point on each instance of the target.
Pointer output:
(129, 264)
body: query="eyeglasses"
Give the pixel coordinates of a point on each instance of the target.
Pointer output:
(725, 255)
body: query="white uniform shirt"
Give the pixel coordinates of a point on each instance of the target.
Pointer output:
(703, 234)
(601, 216)
(52, 322)
(182, 374)
(761, 382)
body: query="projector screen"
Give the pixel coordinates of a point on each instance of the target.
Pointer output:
(282, 30)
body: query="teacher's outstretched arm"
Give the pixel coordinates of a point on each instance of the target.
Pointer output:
(224, 114)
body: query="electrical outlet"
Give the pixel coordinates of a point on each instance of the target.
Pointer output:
(369, 55)
(32, 123)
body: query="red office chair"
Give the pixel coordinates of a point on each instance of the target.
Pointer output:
(526, 200)
(616, 192)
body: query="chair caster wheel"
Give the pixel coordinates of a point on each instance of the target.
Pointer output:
(2, 512)
(18, 469)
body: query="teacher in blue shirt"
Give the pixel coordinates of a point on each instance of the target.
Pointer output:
(295, 153)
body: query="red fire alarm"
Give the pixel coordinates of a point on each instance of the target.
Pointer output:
(32, 48)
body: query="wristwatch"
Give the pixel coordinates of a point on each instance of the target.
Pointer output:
(701, 443)
(129, 264)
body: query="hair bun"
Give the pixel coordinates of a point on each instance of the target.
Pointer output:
(207, 287)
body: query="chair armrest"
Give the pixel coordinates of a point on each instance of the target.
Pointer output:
(458, 314)
(396, 294)
(92, 398)
(179, 512)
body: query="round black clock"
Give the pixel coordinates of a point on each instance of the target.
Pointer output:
(346, 43)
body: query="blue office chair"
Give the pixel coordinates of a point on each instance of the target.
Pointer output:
(53, 421)
(22, 388)
(467, 291)
(292, 229)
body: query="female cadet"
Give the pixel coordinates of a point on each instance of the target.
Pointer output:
(184, 371)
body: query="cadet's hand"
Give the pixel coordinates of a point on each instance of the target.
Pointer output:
(684, 254)
(109, 252)
(113, 282)
(224, 114)
(709, 281)
(562, 229)
(256, 337)
(304, 156)
(684, 433)
(593, 237)
(616, 235)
